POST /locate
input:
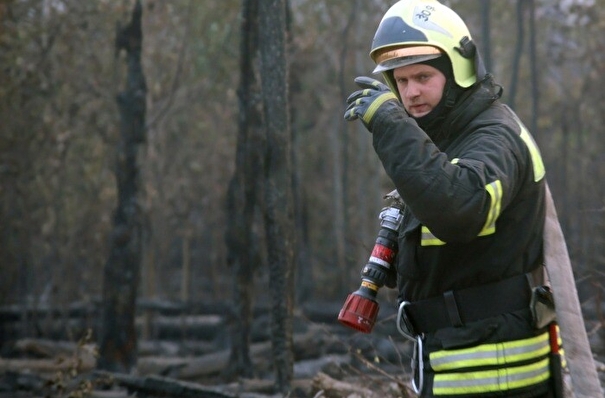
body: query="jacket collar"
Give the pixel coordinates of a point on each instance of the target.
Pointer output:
(472, 102)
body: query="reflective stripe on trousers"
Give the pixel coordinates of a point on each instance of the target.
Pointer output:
(491, 354)
(521, 363)
(491, 380)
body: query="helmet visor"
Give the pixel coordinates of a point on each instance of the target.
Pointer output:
(390, 59)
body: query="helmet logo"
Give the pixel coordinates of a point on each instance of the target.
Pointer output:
(422, 18)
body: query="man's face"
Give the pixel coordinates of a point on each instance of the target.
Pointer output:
(420, 87)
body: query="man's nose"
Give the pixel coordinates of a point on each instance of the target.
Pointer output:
(412, 90)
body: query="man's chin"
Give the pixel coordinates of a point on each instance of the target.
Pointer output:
(417, 115)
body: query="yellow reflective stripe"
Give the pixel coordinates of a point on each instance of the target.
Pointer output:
(495, 192)
(491, 354)
(428, 239)
(536, 158)
(491, 380)
(376, 104)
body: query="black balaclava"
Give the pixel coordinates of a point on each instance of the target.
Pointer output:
(431, 122)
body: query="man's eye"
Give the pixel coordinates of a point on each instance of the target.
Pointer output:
(424, 78)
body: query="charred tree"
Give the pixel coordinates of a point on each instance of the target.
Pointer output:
(533, 64)
(486, 33)
(302, 248)
(339, 141)
(245, 195)
(518, 52)
(118, 341)
(279, 217)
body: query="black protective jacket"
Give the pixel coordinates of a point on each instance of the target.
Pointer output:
(474, 208)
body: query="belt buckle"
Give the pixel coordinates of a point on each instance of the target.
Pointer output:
(404, 325)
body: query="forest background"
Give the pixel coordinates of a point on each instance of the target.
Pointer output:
(60, 74)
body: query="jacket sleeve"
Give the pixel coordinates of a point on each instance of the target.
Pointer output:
(456, 199)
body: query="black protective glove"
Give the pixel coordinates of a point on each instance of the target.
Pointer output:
(366, 103)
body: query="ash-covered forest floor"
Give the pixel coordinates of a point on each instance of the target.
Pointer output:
(189, 357)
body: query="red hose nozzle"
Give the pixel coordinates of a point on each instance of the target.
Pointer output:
(359, 313)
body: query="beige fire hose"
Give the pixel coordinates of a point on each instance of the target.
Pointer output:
(584, 379)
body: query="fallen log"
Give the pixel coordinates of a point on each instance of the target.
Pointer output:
(193, 368)
(46, 348)
(47, 366)
(200, 327)
(164, 386)
(326, 364)
(325, 386)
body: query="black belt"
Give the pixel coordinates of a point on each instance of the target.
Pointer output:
(457, 307)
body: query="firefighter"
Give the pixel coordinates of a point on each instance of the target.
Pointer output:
(469, 267)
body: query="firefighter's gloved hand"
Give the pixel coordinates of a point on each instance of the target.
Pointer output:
(374, 97)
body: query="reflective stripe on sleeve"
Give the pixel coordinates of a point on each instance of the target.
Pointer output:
(491, 354)
(381, 99)
(428, 239)
(534, 151)
(491, 380)
(495, 192)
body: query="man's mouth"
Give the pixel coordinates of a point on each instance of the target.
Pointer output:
(419, 108)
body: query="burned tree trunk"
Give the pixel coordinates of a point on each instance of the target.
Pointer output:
(118, 336)
(486, 34)
(518, 52)
(245, 195)
(533, 64)
(279, 218)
